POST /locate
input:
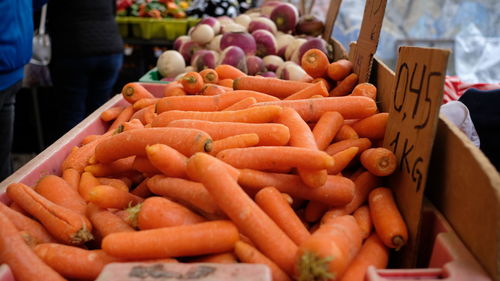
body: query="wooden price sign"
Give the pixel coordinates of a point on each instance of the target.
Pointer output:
(414, 113)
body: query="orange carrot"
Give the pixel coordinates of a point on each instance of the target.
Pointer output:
(209, 75)
(24, 223)
(274, 205)
(362, 143)
(248, 254)
(192, 82)
(116, 167)
(186, 141)
(17, 208)
(372, 253)
(106, 196)
(237, 141)
(387, 219)
(177, 241)
(346, 132)
(116, 183)
(339, 70)
(336, 191)
(111, 113)
(269, 134)
(87, 181)
(365, 89)
(242, 210)
(189, 193)
(142, 103)
(379, 161)
(372, 127)
(90, 138)
(345, 86)
(242, 104)
(329, 251)
(325, 82)
(73, 262)
(142, 189)
(271, 157)
(145, 115)
(174, 89)
(226, 71)
(260, 114)
(134, 91)
(312, 109)
(127, 217)
(315, 89)
(143, 165)
(362, 216)
(23, 262)
(226, 83)
(61, 193)
(79, 157)
(64, 224)
(134, 124)
(315, 63)
(158, 212)
(326, 128)
(342, 159)
(72, 177)
(214, 89)
(106, 222)
(167, 160)
(315, 210)
(271, 86)
(227, 258)
(123, 117)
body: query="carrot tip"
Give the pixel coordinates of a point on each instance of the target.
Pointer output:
(313, 267)
(398, 242)
(129, 91)
(208, 146)
(118, 130)
(133, 213)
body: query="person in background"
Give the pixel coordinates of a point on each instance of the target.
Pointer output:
(16, 35)
(87, 55)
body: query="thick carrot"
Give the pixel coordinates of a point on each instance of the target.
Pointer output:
(311, 109)
(345, 86)
(174, 89)
(315, 210)
(142, 103)
(329, 251)
(192, 194)
(192, 82)
(275, 206)
(227, 258)
(111, 113)
(326, 128)
(79, 157)
(106, 196)
(158, 212)
(167, 160)
(226, 71)
(123, 117)
(145, 115)
(269, 134)
(209, 75)
(116, 183)
(362, 216)
(23, 262)
(116, 167)
(213, 89)
(372, 253)
(315, 63)
(272, 157)
(58, 191)
(313, 90)
(387, 219)
(260, 114)
(336, 147)
(186, 141)
(226, 83)
(24, 223)
(248, 254)
(301, 136)
(144, 166)
(72, 177)
(142, 189)
(87, 181)
(73, 262)
(177, 241)
(325, 82)
(134, 91)
(127, 217)
(132, 125)
(365, 89)
(271, 86)
(342, 159)
(242, 104)
(89, 138)
(105, 222)
(372, 127)
(64, 224)
(237, 141)
(339, 70)
(346, 132)
(379, 161)
(337, 190)
(209, 103)
(243, 211)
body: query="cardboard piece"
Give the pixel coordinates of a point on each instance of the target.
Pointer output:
(367, 42)
(330, 18)
(416, 98)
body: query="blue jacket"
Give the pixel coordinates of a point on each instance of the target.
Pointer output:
(16, 36)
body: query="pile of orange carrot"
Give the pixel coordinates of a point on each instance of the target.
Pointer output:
(224, 168)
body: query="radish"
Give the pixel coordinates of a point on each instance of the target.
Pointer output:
(243, 20)
(213, 22)
(170, 64)
(234, 56)
(285, 16)
(255, 65)
(204, 59)
(283, 41)
(241, 39)
(272, 62)
(214, 45)
(202, 34)
(180, 40)
(266, 44)
(293, 46)
(313, 43)
(262, 23)
(188, 48)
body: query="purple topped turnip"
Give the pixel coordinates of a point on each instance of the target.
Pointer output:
(202, 34)
(290, 49)
(213, 22)
(234, 56)
(286, 17)
(268, 74)
(214, 45)
(204, 59)
(262, 23)
(265, 42)
(170, 64)
(243, 20)
(283, 41)
(255, 65)
(180, 40)
(232, 27)
(310, 25)
(188, 48)
(272, 62)
(240, 39)
(313, 43)
(292, 71)
(267, 7)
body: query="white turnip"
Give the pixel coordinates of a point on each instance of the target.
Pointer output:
(170, 64)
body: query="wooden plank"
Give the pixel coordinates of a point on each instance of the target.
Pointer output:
(330, 18)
